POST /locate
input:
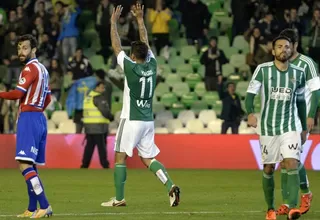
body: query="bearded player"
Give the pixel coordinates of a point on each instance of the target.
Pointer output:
(311, 96)
(33, 92)
(281, 85)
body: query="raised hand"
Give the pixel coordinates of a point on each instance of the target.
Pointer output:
(137, 11)
(116, 14)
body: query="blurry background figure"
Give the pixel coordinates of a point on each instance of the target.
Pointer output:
(96, 117)
(213, 59)
(159, 17)
(232, 112)
(56, 78)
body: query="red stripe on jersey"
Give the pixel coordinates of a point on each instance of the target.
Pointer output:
(34, 82)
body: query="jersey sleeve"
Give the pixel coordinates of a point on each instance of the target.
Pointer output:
(26, 78)
(312, 77)
(256, 81)
(120, 59)
(301, 88)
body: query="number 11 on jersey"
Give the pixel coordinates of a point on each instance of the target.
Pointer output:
(144, 81)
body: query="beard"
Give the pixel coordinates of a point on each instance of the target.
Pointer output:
(282, 57)
(24, 59)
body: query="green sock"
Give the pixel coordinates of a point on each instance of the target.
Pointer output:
(293, 187)
(158, 169)
(284, 190)
(120, 176)
(304, 183)
(268, 189)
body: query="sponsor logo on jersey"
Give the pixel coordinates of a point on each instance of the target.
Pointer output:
(281, 93)
(143, 104)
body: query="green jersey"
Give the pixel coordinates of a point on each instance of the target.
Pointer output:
(139, 86)
(279, 91)
(311, 70)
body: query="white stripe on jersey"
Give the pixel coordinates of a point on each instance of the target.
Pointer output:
(28, 94)
(309, 62)
(274, 115)
(284, 102)
(38, 88)
(268, 101)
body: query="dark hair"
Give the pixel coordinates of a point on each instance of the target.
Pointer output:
(213, 38)
(139, 49)
(99, 83)
(280, 38)
(30, 38)
(100, 73)
(291, 34)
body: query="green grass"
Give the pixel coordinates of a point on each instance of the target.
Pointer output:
(205, 194)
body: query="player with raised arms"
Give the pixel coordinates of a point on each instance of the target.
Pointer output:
(136, 127)
(281, 86)
(33, 92)
(312, 97)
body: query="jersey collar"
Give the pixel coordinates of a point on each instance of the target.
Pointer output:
(31, 60)
(292, 61)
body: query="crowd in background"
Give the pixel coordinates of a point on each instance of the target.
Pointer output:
(55, 24)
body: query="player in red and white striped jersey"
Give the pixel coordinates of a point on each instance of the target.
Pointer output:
(34, 95)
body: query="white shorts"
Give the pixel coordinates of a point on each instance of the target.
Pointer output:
(305, 143)
(276, 148)
(138, 134)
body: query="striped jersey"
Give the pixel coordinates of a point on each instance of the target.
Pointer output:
(34, 82)
(279, 91)
(312, 78)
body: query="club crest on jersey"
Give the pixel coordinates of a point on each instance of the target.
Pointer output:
(22, 81)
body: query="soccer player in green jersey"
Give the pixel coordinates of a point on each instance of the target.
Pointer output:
(136, 127)
(311, 96)
(281, 86)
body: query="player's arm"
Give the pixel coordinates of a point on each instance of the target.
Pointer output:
(115, 39)
(101, 103)
(313, 83)
(253, 89)
(25, 80)
(47, 101)
(301, 104)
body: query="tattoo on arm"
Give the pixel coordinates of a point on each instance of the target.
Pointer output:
(143, 32)
(115, 39)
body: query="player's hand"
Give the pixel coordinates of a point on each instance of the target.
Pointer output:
(137, 11)
(310, 124)
(252, 120)
(116, 14)
(303, 137)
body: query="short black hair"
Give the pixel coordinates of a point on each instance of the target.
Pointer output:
(291, 34)
(139, 49)
(213, 38)
(99, 83)
(30, 38)
(280, 38)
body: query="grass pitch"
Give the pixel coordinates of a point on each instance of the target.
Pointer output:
(205, 194)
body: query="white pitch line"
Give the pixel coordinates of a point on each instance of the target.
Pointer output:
(149, 213)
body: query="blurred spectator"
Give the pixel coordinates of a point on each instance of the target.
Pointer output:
(107, 84)
(56, 78)
(232, 112)
(54, 29)
(8, 114)
(255, 40)
(104, 12)
(79, 65)
(13, 23)
(293, 21)
(3, 22)
(213, 59)
(37, 28)
(11, 59)
(196, 19)
(263, 53)
(126, 30)
(314, 47)
(46, 3)
(240, 19)
(160, 15)
(74, 102)
(41, 12)
(22, 19)
(45, 50)
(268, 27)
(69, 31)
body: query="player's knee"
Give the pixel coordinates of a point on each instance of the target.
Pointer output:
(146, 161)
(120, 158)
(24, 165)
(291, 163)
(268, 169)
